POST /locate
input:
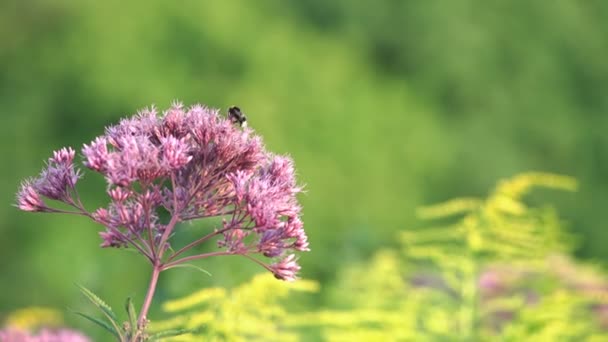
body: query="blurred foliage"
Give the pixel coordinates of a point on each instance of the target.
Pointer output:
(38, 324)
(491, 275)
(384, 106)
(250, 312)
(34, 317)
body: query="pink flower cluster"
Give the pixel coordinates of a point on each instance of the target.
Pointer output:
(45, 335)
(192, 163)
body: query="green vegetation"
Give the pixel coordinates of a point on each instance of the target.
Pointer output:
(385, 106)
(250, 312)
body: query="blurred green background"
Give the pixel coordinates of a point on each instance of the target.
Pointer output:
(384, 106)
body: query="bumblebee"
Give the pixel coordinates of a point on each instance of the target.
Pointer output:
(237, 116)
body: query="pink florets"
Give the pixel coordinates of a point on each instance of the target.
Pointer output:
(28, 198)
(96, 154)
(286, 269)
(64, 156)
(175, 152)
(45, 335)
(193, 163)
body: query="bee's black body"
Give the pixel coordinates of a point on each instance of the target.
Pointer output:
(236, 116)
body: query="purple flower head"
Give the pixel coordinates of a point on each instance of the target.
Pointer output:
(286, 269)
(96, 154)
(192, 163)
(28, 198)
(56, 182)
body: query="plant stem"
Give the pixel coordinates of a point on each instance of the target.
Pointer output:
(197, 242)
(171, 224)
(196, 257)
(148, 300)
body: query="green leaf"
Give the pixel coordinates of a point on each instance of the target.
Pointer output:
(105, 308)
(171, 333)
(100, 323)
(191, 266)
(170, 249)
(97, 301)
(132, 315)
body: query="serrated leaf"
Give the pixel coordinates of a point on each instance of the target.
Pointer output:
(191, 266)
(100, 323)
(97, 301)
(132, 315)
(105, 308)
(171, 333)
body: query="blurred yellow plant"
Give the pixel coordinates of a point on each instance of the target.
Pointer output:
(34, 317)
(488, 274)
(250, 312)
(496, 272)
